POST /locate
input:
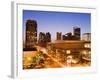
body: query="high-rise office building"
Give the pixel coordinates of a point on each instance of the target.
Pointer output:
(31, 33)
(59, 35)
(42, 39)
(48, 37)
(77, 33)
(68, 36)
(86, 37)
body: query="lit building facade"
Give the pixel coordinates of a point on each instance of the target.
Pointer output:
(86, 37)
(77, 32)
(76, 48)
(31, 34)
(48, 37)
(59, 35)
(69, 36)
(42, 39)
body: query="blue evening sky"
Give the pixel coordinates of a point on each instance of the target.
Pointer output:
(58, 21)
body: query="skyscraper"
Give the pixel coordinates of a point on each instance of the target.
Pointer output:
(31, 33)
(42, 39)
(77, 33)
(59, 35)
(48, 37)
(68, 36)
(86, 37)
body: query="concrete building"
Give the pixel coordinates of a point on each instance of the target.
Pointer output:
(48, 37)
(77, 32)
(75, 36)
(69, 36)
(86, 37)
(42, 39)
(75, 48)
(59, 35)
(31, 34)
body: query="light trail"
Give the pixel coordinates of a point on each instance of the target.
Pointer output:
(55, 60)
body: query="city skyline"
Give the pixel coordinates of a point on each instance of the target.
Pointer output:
(53, 22)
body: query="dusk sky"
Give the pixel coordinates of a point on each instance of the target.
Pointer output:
(58, 21)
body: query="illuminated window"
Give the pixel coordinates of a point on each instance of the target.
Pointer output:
(89, 52)
(29, 58)
(87, 45)
(84, 52)
(68, 51)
